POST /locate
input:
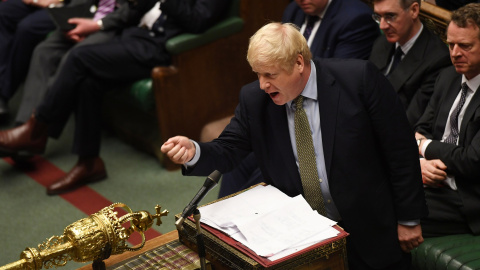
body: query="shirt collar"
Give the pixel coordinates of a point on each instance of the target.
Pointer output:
(409, 44)
(473, 83)
(310, 90)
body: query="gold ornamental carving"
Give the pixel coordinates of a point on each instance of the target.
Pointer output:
(93, 238)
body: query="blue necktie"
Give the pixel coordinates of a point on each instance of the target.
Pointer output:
(310, 23)
(157, 26)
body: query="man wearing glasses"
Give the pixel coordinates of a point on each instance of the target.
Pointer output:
(408, 53)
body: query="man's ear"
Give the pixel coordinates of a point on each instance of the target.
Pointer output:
(300, 63)
(414, 10)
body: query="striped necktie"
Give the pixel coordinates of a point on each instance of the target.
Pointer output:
(452, 138)
(104, 7)
(306, 159)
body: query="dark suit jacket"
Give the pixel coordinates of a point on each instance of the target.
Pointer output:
(346, 31)
(370, 153)
(121, 17)
(463, 160)
(183, 16)
(414, 77)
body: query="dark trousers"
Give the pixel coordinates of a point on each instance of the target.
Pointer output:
(87, 73)
(356, 263)
(22, 27)
(445, 216)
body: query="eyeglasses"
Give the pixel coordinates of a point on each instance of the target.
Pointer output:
(389, 18)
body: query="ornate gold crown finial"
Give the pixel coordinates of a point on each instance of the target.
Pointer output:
(90, 239)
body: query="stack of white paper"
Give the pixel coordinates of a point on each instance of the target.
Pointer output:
(269, 222)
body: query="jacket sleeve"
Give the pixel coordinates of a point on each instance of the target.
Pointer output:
(396, 140)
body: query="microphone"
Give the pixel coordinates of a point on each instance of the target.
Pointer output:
(210, 182)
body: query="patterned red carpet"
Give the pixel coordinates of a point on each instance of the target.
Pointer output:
(85, 199)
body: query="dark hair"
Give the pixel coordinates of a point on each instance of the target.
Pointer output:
(408, 3)
(467, 15)
(403, 3)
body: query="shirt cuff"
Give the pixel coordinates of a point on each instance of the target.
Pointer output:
(409, 222)
(424, 146)
(196, 157)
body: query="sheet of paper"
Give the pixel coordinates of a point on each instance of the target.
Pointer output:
(250, 204)
(283, 228)
(269, 222)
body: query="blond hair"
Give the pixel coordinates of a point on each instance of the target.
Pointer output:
(279, 45)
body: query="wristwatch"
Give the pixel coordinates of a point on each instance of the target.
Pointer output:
(419, 141)
(100, 24)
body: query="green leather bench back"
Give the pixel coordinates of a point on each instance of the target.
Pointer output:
(453, 252)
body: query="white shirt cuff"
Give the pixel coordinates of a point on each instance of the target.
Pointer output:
(424, 146)
(409, 222)
(196, 157)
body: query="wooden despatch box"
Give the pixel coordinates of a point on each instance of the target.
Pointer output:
(224, 252)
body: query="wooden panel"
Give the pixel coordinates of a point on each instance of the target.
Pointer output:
(435, 18)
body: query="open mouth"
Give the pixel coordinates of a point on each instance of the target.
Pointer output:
(273, 94)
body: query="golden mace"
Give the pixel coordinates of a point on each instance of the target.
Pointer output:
(93, 238)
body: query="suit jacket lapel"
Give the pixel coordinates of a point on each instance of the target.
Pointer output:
(281, 142)
(299, 18)
(381, 57)
(328, 98)
(444, 110)
(318, 44)
(469, 112)
(410, 62)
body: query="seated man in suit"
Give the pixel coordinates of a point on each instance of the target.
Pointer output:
(332, 130)
(110, 18)
(340, 28)
(448, 134)
(409, 54)
(91, 70)
(333, 29)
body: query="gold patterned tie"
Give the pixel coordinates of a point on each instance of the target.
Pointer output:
(306, 159)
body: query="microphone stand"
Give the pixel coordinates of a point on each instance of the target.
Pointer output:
(199, 236)
(191, 208)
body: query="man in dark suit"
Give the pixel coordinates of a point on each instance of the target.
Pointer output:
(49, 56)
(448, 134)
(342, 28)
(23, 24)
(91, 70)
(364, 157)
(424, 53)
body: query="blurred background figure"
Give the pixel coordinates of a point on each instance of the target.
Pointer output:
(23, 24)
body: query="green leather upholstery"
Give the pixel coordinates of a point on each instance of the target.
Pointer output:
(185, 42)
(142, 91)
(453, 252)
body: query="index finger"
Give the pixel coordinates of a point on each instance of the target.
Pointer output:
(167, 146)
